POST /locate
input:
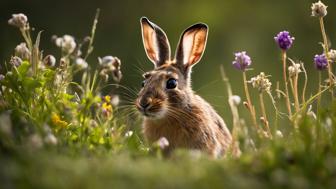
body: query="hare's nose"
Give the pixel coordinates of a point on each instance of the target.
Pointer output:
(145, 103)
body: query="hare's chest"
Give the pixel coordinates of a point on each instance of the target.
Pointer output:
(175, 133)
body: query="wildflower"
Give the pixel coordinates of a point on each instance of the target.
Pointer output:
(321, 62)
(294, 70)
(332, 55)
(18, 20)
(107, 98)
(67, 43)
(107, 109)
(81, 63)
(163, 143)
(128, 134)
(56, 120)
(22, 51)
(261, 82)
(115, 100)
(15, 61)
(111, 65)
(50, 139)
(49, 61)
(319, 9)
(242, 61)
(284, 40)
(279, 134)
(235, 99)
(2, 77)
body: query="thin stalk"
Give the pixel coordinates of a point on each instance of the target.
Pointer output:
(284, 57)
(263, 111)
(236, 120)
(319, 96)
(249, 103)
(305, 84)
(326, 52)
(93, 32)
(296, 94)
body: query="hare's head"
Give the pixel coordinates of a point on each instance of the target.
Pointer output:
(167, 87)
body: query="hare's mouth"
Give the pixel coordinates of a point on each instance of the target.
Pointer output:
(152, 112)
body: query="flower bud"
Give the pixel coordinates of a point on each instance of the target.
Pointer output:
(18, 20)
(261, 82)
(235, 99)
(22, 51)
(242, 61)
(49, 61)
(15, 61)
(66, 43)
(332, 55)
(81, 63)
(319, 9)
(294, 70)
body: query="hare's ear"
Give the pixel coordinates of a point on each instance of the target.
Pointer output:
(191, 46)
(155, 42)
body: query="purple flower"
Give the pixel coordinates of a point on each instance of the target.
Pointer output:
(321, 62)
(284, 40)
(242, 61)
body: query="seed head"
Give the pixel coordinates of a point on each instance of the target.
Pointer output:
(110, 65)
(22, 51)
(321, 62)
(235, 99)
(332, 55)
(294, 70)
(18, 20)
(49, 61)
(319, 9)
(284, 40)
(242, 61)
(261, 82)
(66, 43)
(81, 63)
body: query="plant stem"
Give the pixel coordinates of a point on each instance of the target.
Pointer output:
(296, 95)
(284, 57)
(319, 96)
(263, 111)
(326, 52)
(249, 103)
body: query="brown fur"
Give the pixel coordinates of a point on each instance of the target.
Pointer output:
(184, 118)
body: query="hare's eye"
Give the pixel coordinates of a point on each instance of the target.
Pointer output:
(143, 83)
(171, 83)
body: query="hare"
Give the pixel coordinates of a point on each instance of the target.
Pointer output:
(169, 106)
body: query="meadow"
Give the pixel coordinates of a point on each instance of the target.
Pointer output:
(67, 121)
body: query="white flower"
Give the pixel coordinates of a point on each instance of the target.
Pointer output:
(279, 134)
(15, 61)
(22, 51)
(319, 9)
(261, 82)
(115, 100)
(81, 63)
(235, 99)
(128, 134)
(294, 70)
(67, 43)
(18, 20)
(163, 142)
(332, 55)
(49, 61)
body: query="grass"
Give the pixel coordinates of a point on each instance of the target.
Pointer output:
(57, 131)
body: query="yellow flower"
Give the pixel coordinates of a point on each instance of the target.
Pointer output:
(107, 109)
(56, 120)
(107, 98)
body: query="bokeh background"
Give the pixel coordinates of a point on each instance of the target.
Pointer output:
(235, 25)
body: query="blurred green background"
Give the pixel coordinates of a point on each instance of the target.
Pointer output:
(235, 25)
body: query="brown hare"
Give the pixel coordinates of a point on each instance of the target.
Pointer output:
(170, 107)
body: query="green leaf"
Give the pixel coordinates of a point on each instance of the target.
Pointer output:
(23, 69)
